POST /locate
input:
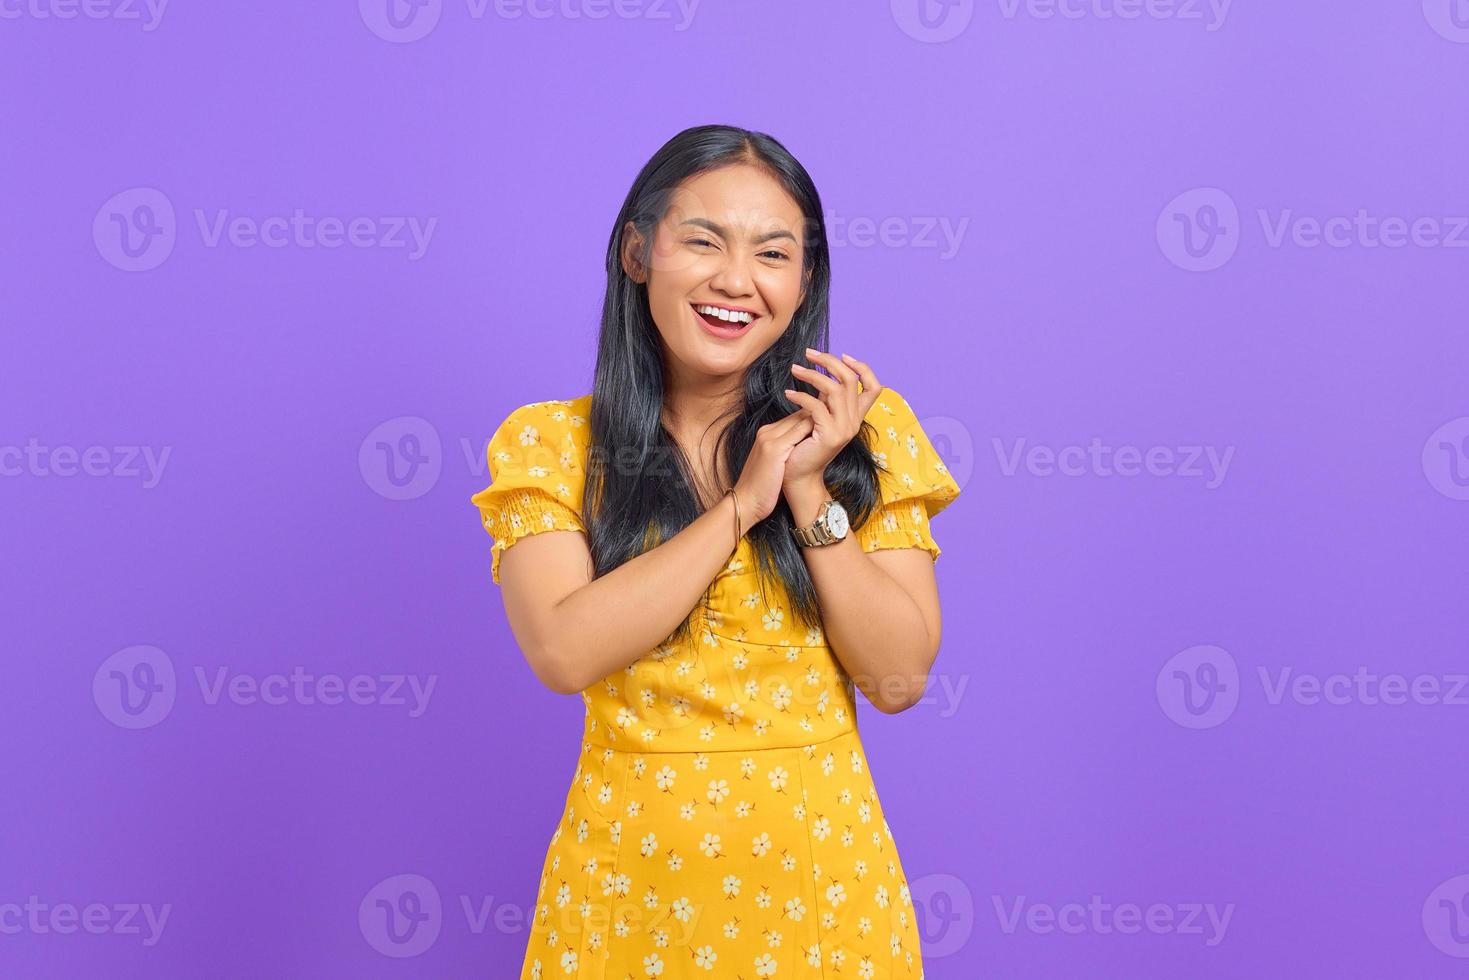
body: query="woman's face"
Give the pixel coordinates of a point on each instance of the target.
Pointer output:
(731, 241)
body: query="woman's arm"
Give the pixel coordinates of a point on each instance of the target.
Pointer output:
(575, 629)
(878, 594)
(880, 609)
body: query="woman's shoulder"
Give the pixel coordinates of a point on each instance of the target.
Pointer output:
(558, 423)
(541, 443)
(911, 464)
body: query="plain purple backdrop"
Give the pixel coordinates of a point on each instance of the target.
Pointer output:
(1175, 231)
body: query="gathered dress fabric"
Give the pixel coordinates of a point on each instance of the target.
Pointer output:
(722, 819)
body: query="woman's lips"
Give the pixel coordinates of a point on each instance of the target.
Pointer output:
(723, 328)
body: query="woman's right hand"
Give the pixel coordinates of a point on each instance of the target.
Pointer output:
(759, 485)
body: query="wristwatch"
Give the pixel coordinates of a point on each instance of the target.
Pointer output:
(829, 527)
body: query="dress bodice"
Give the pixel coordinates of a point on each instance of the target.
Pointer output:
(751, 677)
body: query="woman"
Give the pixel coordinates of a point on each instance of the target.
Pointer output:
(713, 551)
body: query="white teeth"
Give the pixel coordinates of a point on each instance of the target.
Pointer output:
(729, 316)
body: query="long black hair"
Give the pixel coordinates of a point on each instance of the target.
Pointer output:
(634, 498)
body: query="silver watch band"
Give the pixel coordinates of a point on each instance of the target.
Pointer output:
(817, 534)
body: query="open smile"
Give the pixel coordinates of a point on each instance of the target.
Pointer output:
(724, 321)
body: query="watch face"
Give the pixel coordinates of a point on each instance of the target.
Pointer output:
(836, 520)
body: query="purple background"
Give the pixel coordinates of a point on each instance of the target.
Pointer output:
(1070, 765)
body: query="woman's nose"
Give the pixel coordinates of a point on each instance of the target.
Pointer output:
(733, 276)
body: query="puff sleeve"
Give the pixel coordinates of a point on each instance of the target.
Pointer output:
(536, 466)
(913, 482)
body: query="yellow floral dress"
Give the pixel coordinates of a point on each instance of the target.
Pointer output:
(722, 820)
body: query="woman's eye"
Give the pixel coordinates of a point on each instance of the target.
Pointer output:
(774, 254)
(701, 241)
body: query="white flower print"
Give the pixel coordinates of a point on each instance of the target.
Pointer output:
(821, 828)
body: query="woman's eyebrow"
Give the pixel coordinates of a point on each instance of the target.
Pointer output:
(722, 233)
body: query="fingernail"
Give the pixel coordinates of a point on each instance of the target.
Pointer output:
(812, 350)
(846, 357)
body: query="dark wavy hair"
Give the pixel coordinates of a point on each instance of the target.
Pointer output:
(634, 499)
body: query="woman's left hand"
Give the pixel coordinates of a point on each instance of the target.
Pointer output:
(837, 413)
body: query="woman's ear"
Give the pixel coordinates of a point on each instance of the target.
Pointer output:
(632, 246)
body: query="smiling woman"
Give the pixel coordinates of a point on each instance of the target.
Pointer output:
(718, 616)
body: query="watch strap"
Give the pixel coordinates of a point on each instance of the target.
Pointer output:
(817, 533)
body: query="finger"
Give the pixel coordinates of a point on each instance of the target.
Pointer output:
(814, 406)
(803, 427)
(846, 396)
(839, 370)
(792, 421)
(831, 386)
(871, 387)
